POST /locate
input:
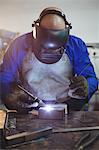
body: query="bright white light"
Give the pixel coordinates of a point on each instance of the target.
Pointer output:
(35, 104)
(51, 45)
(48, 108)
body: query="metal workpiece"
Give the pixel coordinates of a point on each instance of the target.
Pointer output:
(53, 111)
(25, 137)
(65, 130)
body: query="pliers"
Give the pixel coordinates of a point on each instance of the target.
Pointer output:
(86, 140)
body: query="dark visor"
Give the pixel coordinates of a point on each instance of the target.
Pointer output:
(51, 39)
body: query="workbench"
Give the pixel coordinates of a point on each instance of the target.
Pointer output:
(57, 141)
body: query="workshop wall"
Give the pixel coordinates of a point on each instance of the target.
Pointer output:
(17, 15)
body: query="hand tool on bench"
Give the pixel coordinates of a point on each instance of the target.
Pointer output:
(86, 140)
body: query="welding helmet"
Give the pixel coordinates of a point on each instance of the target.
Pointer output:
(49, 43)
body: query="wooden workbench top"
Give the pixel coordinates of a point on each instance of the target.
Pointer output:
(2, 118)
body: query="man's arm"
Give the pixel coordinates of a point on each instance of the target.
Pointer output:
(10, 67)
(10, 94)
(82, 65)
(86, 69)
(7, 72)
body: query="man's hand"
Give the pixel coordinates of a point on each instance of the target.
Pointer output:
(19, 101)
(63, 99)
(78, 88)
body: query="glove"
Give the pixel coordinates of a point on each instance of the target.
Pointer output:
(63, 99)
(20, 101)
(78, 88)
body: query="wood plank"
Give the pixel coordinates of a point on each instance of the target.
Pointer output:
(2, 119)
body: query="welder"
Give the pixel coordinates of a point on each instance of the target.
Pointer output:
(51, 64)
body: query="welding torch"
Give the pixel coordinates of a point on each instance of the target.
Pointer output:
(28, 93)
(35, 99)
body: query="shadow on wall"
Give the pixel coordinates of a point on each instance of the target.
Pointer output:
(5, 38)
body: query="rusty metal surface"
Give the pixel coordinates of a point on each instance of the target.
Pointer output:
(60, 141)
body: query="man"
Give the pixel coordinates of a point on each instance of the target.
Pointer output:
(50, 64)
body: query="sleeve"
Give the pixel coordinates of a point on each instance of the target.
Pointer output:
(9, 70)
(84, 67)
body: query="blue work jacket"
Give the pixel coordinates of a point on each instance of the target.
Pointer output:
(10, 70)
